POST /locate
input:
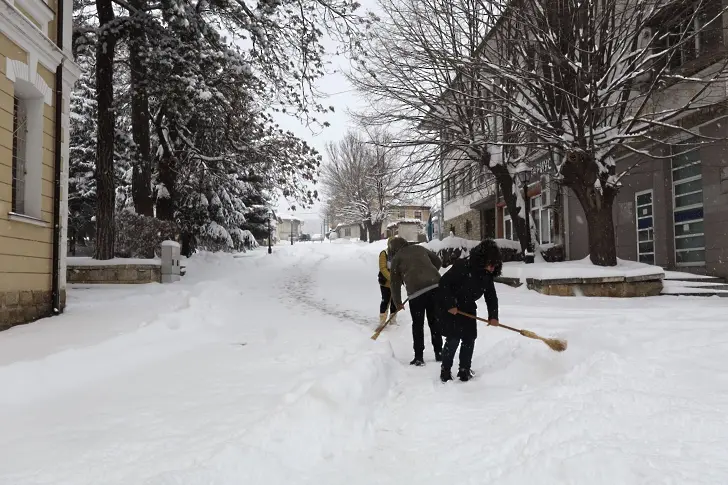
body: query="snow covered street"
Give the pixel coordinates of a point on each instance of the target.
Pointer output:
(259, 369)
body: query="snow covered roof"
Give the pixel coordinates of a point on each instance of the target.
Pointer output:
(419, 204)
(405, 221)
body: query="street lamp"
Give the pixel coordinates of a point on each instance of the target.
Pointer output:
(524, 176)
(270, 249)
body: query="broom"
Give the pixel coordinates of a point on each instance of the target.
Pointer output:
(381, 327)
(554, 344)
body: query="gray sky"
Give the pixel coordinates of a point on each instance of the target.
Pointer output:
(337, 92)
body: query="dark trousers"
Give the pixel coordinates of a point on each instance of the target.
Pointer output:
(425, 304)
(466, 351)
(386, 301)
(461, 332)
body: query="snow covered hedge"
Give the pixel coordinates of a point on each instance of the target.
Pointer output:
(452, 248)
(140, 236)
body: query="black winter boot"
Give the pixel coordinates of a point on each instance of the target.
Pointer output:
(418, 361)
(465, 374)
(445, 375)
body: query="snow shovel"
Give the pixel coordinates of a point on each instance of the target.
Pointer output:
(381, 327)
(554, 344)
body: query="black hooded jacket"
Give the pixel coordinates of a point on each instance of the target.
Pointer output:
(464, 284)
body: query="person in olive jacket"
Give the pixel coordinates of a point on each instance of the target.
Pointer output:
(418, 268)
(460, 287)
(384, 278)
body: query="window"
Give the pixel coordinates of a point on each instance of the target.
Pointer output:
(682, 40)
(508, 232)
(687, 190)
(401, 214)
(541, 216)
(645, 227)
(482, 175)
(29, 98)
(468, 179)
(685, 35)
(20, 136)
(418, 215)
(347, 232)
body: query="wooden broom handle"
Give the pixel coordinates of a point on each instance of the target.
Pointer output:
(487, 321)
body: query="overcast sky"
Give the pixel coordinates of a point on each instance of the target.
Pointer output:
(339, 93)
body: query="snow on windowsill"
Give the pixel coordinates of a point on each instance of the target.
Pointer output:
(578, 269)
(13, 216)
(85, 261)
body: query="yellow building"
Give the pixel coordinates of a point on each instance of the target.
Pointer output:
(36, 70)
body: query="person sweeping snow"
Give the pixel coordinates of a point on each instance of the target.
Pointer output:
(463, 284)
(418, 268)
(384, 286)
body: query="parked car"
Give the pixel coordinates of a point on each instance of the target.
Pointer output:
(317, 237)
(304, 237)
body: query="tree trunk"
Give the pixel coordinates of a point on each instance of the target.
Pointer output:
(507, 187)
(141, 185)
(187, 243)
(580, 175)
(106, 124)
(374, 231)
(165, 199)
(167, 174)
(363, 232)
(598, 209)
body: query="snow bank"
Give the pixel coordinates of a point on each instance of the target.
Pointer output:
(578, 269)
(453, 242)
(450, 242)
(318, 421)
(85, 261)
(674, 275)
(672, 287)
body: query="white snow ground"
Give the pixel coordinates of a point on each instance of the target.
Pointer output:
(260, 370)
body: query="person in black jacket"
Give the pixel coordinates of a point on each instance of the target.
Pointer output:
(460, 287)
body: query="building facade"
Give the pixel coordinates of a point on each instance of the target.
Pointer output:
(672, 208)
(289, 226)
(349, 231)
(37, 74)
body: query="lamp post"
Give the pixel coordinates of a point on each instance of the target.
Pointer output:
(524, 176)
(270, 249)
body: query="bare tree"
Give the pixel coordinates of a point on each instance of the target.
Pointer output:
(419, 76)
(578, 82)
(592, 81)
(363, 179)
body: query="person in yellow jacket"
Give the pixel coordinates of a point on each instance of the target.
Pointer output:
(384, 286)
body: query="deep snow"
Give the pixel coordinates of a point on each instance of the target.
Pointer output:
(259, 369)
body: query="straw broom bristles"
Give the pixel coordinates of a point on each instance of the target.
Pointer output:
(555, 344)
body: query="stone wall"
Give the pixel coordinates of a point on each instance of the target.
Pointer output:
(459, 223)
(117, 274)
(611, 287)
(18, 307)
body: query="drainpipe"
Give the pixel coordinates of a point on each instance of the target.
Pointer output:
(442, 195)
(55, 285)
